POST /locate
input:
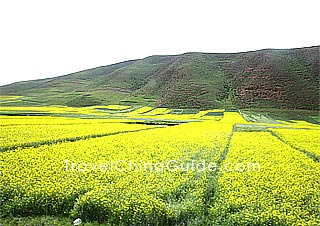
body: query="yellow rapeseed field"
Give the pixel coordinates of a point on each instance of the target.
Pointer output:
(148, 167)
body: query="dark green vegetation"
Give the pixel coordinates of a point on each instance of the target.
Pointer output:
(286, 79)
(42, 221)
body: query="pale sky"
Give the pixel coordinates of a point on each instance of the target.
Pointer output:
(47, 38)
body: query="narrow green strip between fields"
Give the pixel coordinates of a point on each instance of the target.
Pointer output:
(212, 185)
(226, 150)
(70, 139)
(313, 156)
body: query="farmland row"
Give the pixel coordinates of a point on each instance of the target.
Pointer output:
(285, 191)
(35, 180)
(12, 137)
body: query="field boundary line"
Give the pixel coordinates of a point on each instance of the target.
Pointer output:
(70, 139)
(311, 155)
(224, 154)
(212, 185)
(62, 124)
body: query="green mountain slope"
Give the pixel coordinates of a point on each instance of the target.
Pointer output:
(265, 78)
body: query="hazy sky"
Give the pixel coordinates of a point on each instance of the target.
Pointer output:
(42, 38)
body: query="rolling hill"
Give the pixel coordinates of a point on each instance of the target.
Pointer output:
(270, 78)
